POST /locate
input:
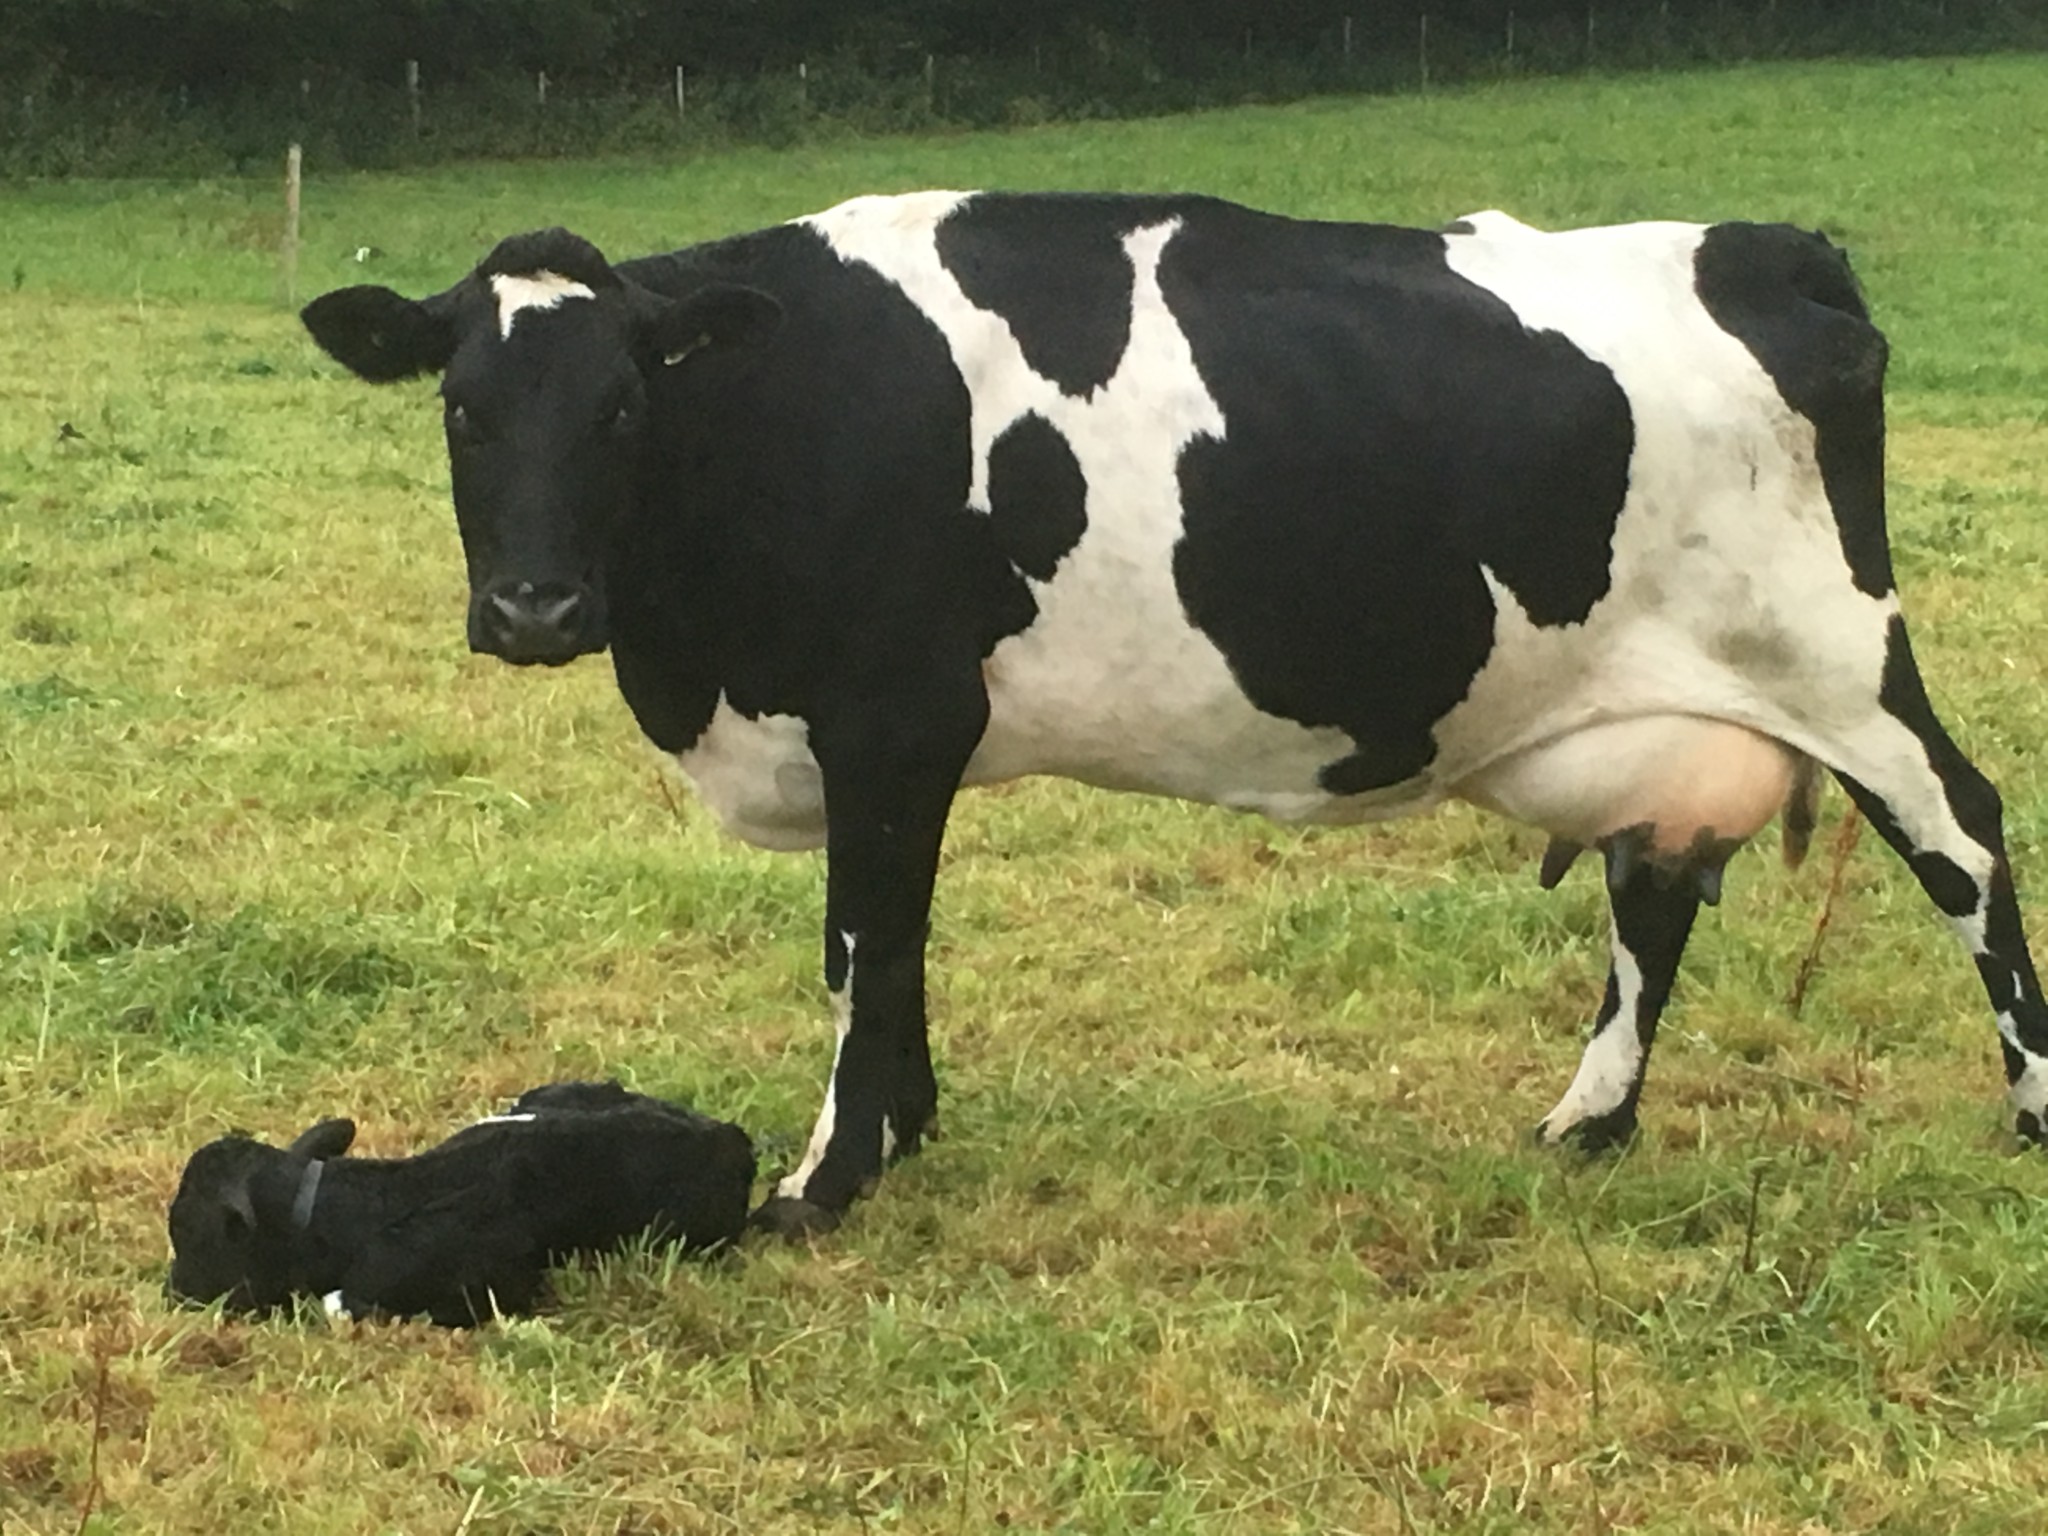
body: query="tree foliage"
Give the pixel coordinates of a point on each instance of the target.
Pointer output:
(229, 45)
(185, 86)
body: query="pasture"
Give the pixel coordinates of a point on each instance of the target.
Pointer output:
(1234, 1227)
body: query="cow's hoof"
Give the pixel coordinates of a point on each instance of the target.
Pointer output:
(793, 1220)
(913, 1143)
(2028, 1127)
(1593, 1136)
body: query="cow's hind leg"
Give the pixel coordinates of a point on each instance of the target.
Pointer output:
(1943, 816)
(1653, 910)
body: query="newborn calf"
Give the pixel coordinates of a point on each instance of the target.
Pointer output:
(465, 1230)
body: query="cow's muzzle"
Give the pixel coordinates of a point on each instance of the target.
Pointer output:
(526, 623)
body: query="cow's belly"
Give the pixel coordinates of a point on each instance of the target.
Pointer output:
(1131, 713)
(1683, 776)
(1168, 723)
(758, 777)
(1111, 685)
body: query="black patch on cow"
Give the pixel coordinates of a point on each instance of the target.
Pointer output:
(1390, 428)
(1947, 882)
(1903, 695)
(1790, 298)
(2000, 984)
(1378, 766)
(1037, 495)
(557, 250)
(1054, 268)
(802, 538)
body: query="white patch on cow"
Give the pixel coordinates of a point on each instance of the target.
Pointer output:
(1730, 598)
(519, 1119)
(1492, 224)
(758, 777)
(517, 293)
(2030, 1089)
(792, 1185)
(1111, 684)
(333, 1305)
(1613, 1060)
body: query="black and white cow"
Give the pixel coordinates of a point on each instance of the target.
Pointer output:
(1328, 521)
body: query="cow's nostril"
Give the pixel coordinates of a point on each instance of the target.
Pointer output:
(563, 615)
(504, 616)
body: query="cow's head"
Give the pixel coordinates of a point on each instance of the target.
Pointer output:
(239, 1219)
(546, 356)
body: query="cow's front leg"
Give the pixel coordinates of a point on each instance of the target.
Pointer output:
(890, 775)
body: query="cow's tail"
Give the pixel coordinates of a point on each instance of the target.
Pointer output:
(1802, 810)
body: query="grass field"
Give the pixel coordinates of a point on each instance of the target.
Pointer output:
(1235, 1227)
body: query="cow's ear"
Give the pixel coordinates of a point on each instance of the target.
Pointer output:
(724, 316)
(380, 335)
(330, 1138)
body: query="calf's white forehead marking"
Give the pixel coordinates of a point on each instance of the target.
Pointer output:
(518, 293)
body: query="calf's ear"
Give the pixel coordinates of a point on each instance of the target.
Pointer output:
(237, 1210)
(380, 335)
(724, 316)
(330, 1138)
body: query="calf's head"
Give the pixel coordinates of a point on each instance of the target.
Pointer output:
(547, 356)
(238, 1219)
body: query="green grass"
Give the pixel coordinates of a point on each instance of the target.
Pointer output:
(1234, 1227)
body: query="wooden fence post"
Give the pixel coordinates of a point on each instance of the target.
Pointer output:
(1347, 39)
(803, 88)
(288, 247)
(412, 91)
(542, 84)
(679, 92)
(1422, 48)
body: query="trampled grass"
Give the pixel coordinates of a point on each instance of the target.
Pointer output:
(1234, 1227)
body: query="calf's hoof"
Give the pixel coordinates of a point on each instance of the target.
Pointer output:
(792, 1219)
(2028, 1127)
